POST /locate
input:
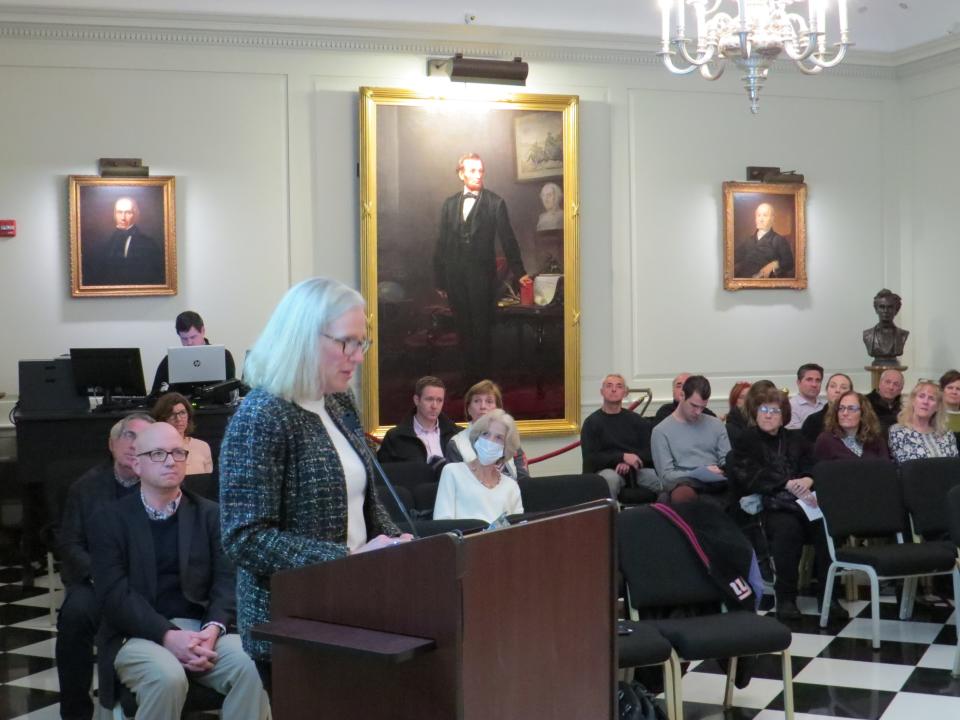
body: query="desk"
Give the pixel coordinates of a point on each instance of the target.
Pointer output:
(55, 448)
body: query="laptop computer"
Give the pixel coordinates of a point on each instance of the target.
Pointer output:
(197, 364)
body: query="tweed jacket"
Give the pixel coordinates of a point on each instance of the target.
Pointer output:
(283, 497)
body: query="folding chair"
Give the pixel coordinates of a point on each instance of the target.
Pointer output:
(953, 503)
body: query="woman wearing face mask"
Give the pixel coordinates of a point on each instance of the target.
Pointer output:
(477, 489)
(479, 400)
(921, 429)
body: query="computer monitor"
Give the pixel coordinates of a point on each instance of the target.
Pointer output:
(197, 364)
(108, 372)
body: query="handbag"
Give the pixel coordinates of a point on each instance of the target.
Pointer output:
(635, 702)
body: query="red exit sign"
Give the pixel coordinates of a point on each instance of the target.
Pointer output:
(8, 228)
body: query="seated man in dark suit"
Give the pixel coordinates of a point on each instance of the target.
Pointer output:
(168, 593)
(422, 435)
(80, 612)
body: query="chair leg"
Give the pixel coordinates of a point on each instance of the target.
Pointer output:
(956, 598)
(51, 590)
(677, 672)
(787, 685)
(909, 595)
(669, 693)
(874, 607)
(728, 691)
(828, 595)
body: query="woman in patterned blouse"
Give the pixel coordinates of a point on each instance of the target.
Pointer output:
(921, 429)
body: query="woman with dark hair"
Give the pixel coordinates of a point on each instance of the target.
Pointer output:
(175, 409)
(921, 429)
(736, 419)
(851, 430)
(775, 464)
(950, 385)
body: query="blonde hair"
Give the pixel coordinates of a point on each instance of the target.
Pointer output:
(939, 420)
(285, 360)
(511, 442)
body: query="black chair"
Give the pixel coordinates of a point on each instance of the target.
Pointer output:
(661, 571)
(864, 498)
(410, 474)
(953, 504)
(639, 645)
(206, 485)
(426, 528)
(425, 496)
(560, 491)
(386, 499)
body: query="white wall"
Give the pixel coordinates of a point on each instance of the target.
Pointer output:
(263, 142)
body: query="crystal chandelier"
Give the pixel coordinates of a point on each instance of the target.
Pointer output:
(752, 37)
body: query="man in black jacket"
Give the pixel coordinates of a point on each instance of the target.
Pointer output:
(168, 593)
(423, 434)
(80, 612)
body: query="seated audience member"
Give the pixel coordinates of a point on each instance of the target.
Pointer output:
(191, 331)
(175, 409)
(690, 447)
(80, 613)
(921, 429)
(423, 434)
(168, 593)
(851, 431)
(478, 489)
(664, 411)
(736, 419)
(886, 399)
(775, 463)
(807, 400)
(615, 442)
(479, 400)
(837, 385)
(950, 385)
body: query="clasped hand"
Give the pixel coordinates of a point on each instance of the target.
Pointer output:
(194, 650)
(801, 488)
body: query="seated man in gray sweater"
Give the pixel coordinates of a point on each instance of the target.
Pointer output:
(690, 448)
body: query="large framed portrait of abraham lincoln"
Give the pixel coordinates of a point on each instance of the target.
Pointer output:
(765, 235)
(470, 253)
(123, 238)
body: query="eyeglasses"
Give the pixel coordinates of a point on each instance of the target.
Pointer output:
(351, 345)
(769, 410)
(160, 456)
(179, 414)
(848, 408)
(128, 435)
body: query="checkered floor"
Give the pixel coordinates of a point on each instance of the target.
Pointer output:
(836, 671)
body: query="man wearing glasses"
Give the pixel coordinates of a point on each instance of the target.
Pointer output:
(80, 613)
(168, 592)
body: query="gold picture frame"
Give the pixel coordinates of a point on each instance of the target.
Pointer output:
(410, 144)
(777, 259)
(123, 236)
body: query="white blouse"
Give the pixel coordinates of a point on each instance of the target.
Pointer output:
(461, 495)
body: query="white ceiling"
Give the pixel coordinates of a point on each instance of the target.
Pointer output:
(876, 25)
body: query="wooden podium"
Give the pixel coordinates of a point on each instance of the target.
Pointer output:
(517, 623)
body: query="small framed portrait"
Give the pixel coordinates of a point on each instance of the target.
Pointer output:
(123, 238)
(764, 235)
(538, 140)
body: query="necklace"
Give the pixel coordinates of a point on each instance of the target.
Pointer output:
(478, 472)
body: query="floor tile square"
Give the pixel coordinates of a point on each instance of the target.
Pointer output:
(12, 593)
(14, 666)
(13, 614)
(15, 701)
(896, 653)
(933, 681)
(764, 666)
(44, 648)
(43, 680)
(780, 715)
(11, 574)
(837, 701)
(13, 638)
(807, 645)
(921, 613)
(896, 630)
(913, 706)
(947, 636)
(52, 712)
(706, 711)
(42, 600)
(939, 657)
(855, 674)
(709, 688)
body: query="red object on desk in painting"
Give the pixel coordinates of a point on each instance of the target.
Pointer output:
(526, 294)
(8, 228)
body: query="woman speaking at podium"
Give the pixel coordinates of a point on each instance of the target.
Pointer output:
(296, 484)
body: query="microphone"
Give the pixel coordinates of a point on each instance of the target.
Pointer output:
(386, 481)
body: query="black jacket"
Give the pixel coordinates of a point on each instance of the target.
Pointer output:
(762, 463)
(401, 443)
(125, 575)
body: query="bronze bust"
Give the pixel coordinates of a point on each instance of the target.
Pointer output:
(885, 341)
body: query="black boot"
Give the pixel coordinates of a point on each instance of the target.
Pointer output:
(787, 608)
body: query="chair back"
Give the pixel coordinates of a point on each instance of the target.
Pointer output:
(386, 499)
(425, 496)
(860, 497)
(925, 486)
(560, 491)
(206, 485)
(409, 474)
(658, 564)
(953, 503)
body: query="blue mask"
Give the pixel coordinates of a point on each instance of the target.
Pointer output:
(488, 452)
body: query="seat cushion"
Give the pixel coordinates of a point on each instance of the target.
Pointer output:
(905, 559)
(643, 646)
(724, 635)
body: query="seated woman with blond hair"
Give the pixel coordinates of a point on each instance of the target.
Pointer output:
(480, 399)
(478, 489)
(851, 430)
(921, 430)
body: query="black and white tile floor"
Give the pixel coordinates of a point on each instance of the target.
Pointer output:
(836, 671)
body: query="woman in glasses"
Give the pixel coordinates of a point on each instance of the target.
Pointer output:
(851, 430)
(921, 429)
(296, 482)
(775, 464)
(175, 409)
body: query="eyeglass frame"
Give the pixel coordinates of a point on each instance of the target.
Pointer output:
(166, 454)
(770, 410)
(362, 345)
